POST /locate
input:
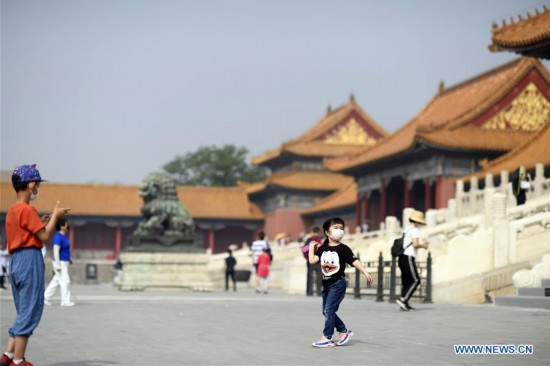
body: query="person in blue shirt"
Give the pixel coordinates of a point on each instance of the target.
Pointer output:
(61, 261)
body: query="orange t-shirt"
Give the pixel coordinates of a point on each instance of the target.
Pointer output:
(22, 224)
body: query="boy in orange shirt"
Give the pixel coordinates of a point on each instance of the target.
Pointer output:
(26, 232)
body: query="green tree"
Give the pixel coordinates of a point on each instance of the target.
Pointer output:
(214, 166)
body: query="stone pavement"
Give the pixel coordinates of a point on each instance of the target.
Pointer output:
(109, 327)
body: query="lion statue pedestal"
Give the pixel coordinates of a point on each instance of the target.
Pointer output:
(164, 251)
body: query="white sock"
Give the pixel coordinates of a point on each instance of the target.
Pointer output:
(9, 354)
(17, 362)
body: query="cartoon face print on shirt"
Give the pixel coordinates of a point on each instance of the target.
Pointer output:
(330, 263)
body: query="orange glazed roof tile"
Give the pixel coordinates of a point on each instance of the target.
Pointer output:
(118, 200)
(344, 197)
(449, 109)
(523, 34)
(302, 180)
(476, 138)
(317, 140)
(529, 154)
(219, 202)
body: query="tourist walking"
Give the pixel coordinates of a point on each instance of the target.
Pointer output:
(230, 263)
(61, 262)
(521, 183)
(257, 248)
(26, 232)
(410, 280)
(333, 256)
(314, 237)
(264, 260)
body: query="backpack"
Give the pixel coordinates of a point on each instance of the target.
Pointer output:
(397, 247)
(305, 248)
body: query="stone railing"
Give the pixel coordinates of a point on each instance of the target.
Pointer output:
(475, 201)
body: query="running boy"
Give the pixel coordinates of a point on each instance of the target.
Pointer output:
(334, 256)
(26, 233)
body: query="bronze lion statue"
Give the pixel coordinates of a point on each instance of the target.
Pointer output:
(163, 213)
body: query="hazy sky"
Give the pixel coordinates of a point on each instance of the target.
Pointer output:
(109, 91)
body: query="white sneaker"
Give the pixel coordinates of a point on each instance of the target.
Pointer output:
(69, 304)
(48, 303)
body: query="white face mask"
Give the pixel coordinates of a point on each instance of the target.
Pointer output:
(337, 234)
(34, 196)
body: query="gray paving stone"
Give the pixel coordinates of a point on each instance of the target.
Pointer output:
(109, 327)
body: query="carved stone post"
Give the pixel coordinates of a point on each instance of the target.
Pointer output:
(489, 183)
(452, 212)
(392, 226)
(539, 177)
(407, 212)
(474, 189)
(488, 196)
(460, 197)
(501, 238)
(431, 218)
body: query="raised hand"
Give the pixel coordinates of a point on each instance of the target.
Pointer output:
(59, 212)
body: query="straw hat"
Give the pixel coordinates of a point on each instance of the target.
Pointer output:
(418, 217)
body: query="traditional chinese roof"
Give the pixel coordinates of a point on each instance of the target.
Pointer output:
(301, 180)
(119, 200)
(494, 111)
(344, 197)
(218, 202)
(527, 36)
(345, 130)
(529, 154)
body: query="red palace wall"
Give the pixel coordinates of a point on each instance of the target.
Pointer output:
(284, 221)
(446, 190)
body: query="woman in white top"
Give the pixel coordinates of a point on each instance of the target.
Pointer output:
(410, 279)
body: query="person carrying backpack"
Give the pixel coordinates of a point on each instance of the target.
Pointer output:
(410, 280)
(313, 237)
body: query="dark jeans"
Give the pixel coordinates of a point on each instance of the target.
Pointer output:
(230, 274)
(332, 297)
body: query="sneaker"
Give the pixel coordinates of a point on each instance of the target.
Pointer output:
(5, 360)
(69, 304)
(410, 308)
(24, 363)
(47, 302)
(345, 339)
(323, 343)
(402, 305)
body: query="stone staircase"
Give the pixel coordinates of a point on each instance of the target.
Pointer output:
(528, 297)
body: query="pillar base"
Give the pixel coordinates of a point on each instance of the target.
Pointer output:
(184, 271)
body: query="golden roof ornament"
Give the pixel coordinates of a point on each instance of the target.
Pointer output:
(351, 134)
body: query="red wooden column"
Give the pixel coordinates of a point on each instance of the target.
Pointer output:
(71, 238)
(407, 194)
(366, 207)
(211, 239)
(427, 194)
(358, 210)
(438, 191)
(118, 242)
(383, 211)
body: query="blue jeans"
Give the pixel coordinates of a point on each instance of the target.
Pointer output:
(27, 286)
(332, 297)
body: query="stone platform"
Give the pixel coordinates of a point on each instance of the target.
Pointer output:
(187, 271)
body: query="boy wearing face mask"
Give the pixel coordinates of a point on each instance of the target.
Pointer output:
(334, 256)
(26, 232)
